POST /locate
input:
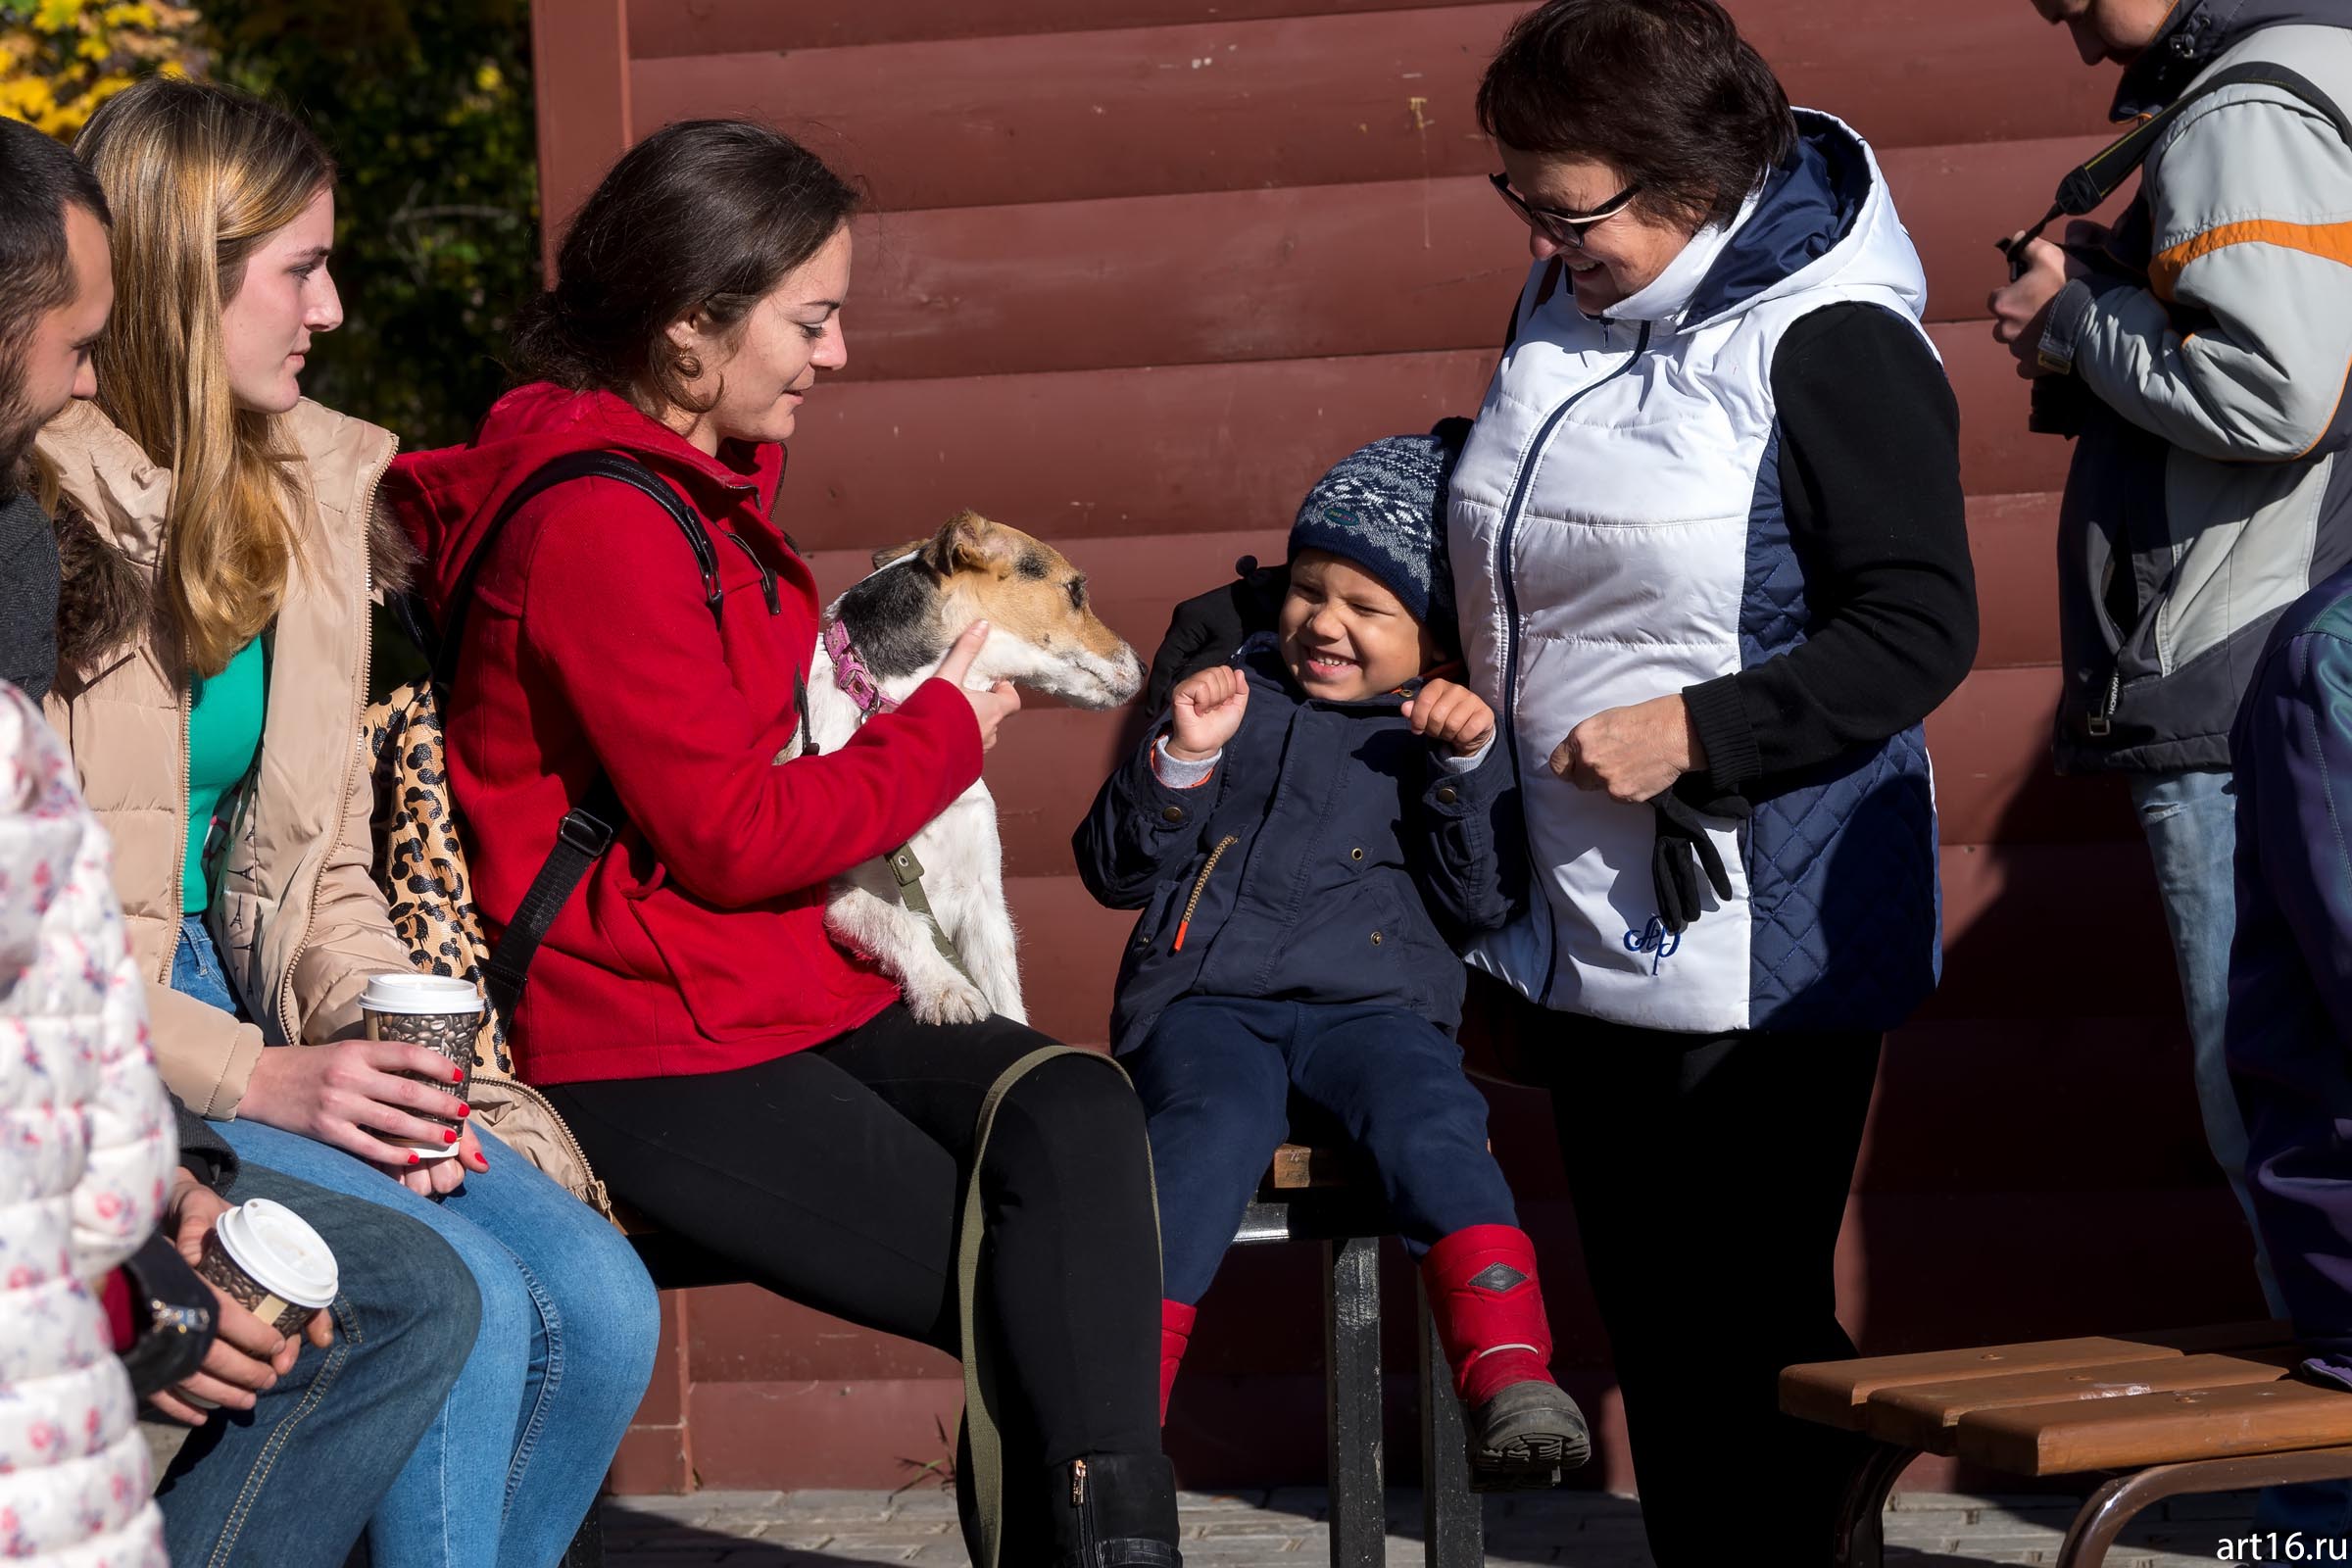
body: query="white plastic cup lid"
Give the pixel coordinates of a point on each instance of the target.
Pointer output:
(421, 994)
(279, 1249)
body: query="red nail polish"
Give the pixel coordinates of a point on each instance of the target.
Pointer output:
(414, 1156)
(464, 1111)
(458, 1077)
(449, 1135)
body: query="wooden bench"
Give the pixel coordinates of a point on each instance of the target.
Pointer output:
(1321, 1195)
(2209, 1409)
(1308, 1195)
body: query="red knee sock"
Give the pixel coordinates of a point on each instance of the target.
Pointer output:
(1175, 1334)
(1489, 1309)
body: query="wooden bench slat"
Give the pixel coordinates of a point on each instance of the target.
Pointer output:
(2128, 1434)
(1922, 1415)
(1298, 1166)
(1834, 1392)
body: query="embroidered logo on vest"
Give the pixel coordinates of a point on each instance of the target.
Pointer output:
(1653, 939)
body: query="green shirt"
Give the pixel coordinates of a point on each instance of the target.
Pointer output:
(224, 732)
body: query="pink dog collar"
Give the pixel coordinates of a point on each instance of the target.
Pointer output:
(850, 673)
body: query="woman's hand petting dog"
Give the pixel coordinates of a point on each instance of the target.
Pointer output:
(1207, 711)
(991, 706)
(1451, 716)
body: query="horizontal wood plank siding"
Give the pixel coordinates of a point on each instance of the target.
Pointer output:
(1132, 274)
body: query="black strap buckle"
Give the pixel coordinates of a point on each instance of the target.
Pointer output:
(588, 834)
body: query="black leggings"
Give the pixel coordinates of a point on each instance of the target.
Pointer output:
(1710, 1175)
(835, 1177)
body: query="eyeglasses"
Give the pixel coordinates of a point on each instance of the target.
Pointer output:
(1563, 229)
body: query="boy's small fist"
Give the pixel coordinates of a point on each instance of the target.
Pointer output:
(1208, 709)
(1451, 716)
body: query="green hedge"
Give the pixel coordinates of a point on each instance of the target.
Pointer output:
(427, 106)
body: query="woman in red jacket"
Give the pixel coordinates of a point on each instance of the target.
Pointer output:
(730, 1072)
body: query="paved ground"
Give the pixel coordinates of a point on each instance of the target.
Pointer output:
(1260, 1530)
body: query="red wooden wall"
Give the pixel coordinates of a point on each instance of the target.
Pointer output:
(1134, 272)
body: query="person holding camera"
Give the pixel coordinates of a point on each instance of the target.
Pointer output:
(2196, 353)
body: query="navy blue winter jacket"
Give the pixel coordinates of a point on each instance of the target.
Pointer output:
(1331, 857)
(2291, 967)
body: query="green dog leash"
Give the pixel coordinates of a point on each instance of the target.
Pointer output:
(979, 1380)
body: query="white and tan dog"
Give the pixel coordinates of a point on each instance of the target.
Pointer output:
(886, 636)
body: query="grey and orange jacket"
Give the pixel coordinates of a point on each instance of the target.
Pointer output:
(2208, 490)
(1331, 856)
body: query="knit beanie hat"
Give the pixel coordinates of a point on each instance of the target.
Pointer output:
(1382, 507)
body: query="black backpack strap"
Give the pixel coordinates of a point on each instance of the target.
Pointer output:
(613, 466)
(589, 829)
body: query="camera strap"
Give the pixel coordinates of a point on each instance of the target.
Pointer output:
(2088, 186)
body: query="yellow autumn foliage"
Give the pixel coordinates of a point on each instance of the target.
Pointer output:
(61, 58)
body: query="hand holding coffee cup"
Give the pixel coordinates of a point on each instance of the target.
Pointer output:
(444, 1015)
(358, 1096)
(273, 1277)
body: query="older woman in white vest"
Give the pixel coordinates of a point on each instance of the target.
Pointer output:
(1711, 562)
(1711, 557)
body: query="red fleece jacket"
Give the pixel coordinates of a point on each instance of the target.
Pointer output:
(698, 941)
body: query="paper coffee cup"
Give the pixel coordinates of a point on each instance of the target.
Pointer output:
(268, 1260)
(440, 1013)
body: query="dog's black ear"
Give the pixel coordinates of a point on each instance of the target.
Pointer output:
(968, 541)
(890, 552)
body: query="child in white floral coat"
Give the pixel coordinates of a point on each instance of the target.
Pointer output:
(86, 1153)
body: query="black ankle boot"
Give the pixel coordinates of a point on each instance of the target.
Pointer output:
(1113, 1511)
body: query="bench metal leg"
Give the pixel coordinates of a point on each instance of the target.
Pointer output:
(1452, 1518)
(2117, 1502)
(1861, 1530)
(1351, 1354)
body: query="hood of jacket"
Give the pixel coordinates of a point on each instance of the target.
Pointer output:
(2198, 32)
(445, 500)
(298, 920)
(1823, 216)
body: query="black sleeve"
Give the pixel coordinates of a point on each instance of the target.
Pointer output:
(204, 1150)
(1870, 480)
(28, 597)
(1208, 627)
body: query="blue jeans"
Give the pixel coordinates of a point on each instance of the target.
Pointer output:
(291, 1482)
(1216, 1075)
(2191, 819)
(512, 1460)
(196, 966)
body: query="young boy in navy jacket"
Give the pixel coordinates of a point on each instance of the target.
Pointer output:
(1310, 831)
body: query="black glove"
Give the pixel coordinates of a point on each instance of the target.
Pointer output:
(1683, 850)
(1207, 628)
(174, 1308)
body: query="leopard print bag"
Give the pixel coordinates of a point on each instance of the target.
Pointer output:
(420, 863)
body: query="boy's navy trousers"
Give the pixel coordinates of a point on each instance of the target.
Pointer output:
(1216, 1075)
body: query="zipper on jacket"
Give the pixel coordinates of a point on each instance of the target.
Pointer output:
(598, 1198)
(2102, 718)
(179, 862)
(1085, 1521)
(1201, 885)
(365, 510)
(1513, 509)
(767, 577)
